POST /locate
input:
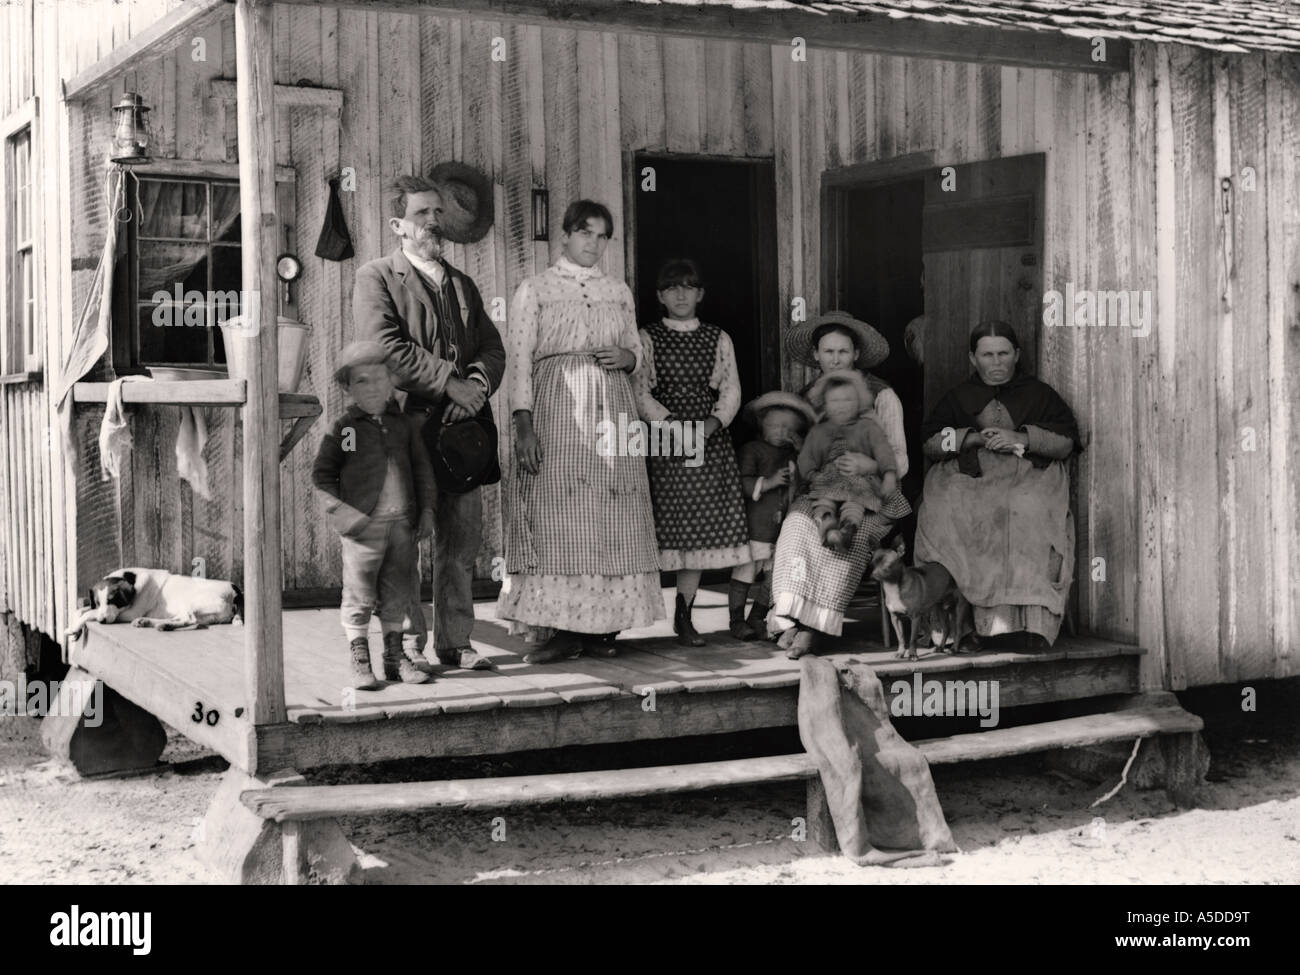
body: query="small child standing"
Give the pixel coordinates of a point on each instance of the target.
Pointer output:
(847, 460)
(376, 471)
(767, 476)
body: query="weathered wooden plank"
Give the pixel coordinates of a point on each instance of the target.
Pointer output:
(212, 392)
(861, 80)
(684, 94)
(891, 106)
(756, 93)
(587, 722)
(637, 59)
(1111, 492)
(840, 29)
(560, 105)
(170, 693)
(1246, 538)
(1192, 579)
(923, 91)
(724, 117)
(230, 128)
(205, 168)
(319, 802)
(1154, 154)
(825, 118)
(400, 106)
(329, 100)
(1066, 733)
(812, 163)
(786, 166)
(199, 118)
(439, 96)
(1283, 114)
(1061, 352)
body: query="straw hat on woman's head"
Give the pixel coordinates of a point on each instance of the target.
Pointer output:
(873, 349)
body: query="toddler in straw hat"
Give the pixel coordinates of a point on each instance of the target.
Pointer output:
(768, 476)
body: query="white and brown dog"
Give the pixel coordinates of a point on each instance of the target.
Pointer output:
(161, 599)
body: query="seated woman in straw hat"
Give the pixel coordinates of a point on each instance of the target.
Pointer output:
(812, 584)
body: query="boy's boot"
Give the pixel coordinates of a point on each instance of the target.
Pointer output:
(736, 597)
(682, 625)
(396, 664)
(363, 678)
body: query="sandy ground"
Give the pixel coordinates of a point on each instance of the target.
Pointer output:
(1016, 821)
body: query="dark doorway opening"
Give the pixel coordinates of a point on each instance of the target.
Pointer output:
(722, 213)
(876, 274)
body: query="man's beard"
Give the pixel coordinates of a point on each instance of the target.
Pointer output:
(428, 245)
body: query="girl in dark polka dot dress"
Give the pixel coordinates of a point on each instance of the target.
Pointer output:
(689, 375)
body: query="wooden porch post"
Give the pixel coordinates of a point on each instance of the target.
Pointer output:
(263, 572)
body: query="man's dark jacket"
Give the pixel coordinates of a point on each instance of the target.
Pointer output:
(392, 305)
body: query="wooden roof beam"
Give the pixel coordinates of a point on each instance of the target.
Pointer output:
(777, 23)
(155, 41)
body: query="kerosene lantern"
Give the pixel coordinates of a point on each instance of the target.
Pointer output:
(131, 133)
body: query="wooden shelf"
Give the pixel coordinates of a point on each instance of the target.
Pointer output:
(301, 408)
(205, 392)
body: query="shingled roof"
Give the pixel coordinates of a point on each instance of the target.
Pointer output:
(1224, 25)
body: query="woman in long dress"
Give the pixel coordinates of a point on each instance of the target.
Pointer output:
(996, 507)
(689, 376)
(581, 557)
(811, 584)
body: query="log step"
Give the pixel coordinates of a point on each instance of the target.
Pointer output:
(298, 803)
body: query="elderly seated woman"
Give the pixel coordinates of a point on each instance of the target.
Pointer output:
(995, 511)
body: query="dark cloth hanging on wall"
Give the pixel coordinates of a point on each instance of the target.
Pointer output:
(335, 243)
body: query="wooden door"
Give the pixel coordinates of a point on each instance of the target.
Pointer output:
(982, 247)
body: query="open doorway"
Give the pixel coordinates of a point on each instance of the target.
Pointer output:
(721, 212)
(876, 274)
(958, 244)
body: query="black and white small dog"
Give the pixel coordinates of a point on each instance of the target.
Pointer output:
(161, 599)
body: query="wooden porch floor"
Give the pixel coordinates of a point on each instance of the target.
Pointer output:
(194, 681)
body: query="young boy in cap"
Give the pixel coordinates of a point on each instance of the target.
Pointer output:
(376, 471)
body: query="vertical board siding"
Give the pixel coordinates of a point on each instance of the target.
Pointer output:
(1282, 184)
(1198, 534)
(1248, 549)
(1196, 474)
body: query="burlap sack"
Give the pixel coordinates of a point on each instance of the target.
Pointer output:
(879, 789)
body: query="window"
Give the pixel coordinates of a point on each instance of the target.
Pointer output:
(18, 277)
(178, 272)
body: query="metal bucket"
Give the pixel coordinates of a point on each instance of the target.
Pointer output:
(293, 337)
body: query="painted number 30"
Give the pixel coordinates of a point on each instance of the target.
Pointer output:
(199, 716)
